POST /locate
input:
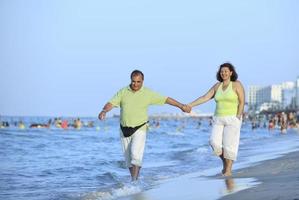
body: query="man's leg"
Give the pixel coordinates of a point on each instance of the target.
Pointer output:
(134, 172)
(126, 147)
(137, 149)
(131, 172)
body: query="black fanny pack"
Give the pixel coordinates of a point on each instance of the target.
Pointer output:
(128, 131)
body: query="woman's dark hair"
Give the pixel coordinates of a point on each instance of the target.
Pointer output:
(231, 68)
(137, 72)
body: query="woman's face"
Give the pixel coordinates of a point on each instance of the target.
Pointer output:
(225, 73)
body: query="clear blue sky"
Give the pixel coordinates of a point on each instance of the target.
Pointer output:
(68, 57)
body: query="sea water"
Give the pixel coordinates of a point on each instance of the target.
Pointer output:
(88, 163)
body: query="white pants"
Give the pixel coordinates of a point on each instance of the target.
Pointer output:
(133, 147)
(225, 136)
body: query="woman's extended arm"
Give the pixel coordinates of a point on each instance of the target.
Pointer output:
(209, 95)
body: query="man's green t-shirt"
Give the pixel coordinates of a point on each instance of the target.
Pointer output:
(134, 104)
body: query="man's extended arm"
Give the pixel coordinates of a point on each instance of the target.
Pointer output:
(174, 102)
(108, 106)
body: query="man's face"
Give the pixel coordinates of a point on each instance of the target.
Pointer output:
(136, 82)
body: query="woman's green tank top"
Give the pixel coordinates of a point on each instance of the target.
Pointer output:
(226, 101)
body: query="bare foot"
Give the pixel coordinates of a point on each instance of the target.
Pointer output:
(227, 174)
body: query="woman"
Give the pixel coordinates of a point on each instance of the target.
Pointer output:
(229, 96)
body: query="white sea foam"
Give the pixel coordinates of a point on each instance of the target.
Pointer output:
(125, 190)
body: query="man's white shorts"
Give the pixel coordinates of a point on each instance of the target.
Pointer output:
(225, 136)
(133, 147)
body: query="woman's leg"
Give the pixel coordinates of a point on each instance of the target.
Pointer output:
(231, 139)
(216, 139)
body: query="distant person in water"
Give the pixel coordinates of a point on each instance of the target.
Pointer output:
(283, 123)
(39, 125)
(229, 96)
(134, 101)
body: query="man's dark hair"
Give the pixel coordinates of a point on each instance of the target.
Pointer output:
(137, 72)
(231, 68)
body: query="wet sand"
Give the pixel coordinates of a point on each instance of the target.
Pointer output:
(271, 179)
(279, 179)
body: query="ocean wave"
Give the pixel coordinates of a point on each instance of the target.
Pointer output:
(90, 164)
(113, 193)
(108, 178)
(190, 154)
(177, 133)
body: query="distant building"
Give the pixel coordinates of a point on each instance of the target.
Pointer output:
(274, 97)
(297, 93)
(288, 95)
(269, 106)
(252, 97)
(271, 95)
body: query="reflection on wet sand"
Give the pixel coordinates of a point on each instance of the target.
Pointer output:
(230, 184)
(194, 187)
(233, 185)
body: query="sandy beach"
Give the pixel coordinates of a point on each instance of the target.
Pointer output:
(279, 179)
(271, 179)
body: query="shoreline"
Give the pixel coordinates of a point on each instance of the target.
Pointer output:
(278, 179)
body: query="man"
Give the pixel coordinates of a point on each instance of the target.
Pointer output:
(134, 101)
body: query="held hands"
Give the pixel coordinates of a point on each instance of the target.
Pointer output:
(186, 108)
